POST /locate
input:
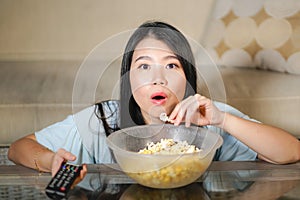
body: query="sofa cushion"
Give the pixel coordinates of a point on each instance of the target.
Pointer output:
(259, 33)
(35, 94)
(270, 97)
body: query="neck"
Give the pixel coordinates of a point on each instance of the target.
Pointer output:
(149, 119)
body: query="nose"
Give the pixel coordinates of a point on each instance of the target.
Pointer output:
(159, 82)
(158, 75)
(159, 79)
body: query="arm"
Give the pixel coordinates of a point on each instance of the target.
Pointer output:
(272, 144)
(28, 152)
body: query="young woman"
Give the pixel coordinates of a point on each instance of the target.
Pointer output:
(158, 75)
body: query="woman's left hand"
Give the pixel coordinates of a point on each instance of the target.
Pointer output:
(198, 110)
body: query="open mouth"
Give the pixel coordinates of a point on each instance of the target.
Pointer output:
(158, 98)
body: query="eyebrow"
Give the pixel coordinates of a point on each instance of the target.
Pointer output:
(143, 58)
(149, 58)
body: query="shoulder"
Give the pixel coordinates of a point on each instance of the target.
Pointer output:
(227, 108)
(88, 118)
(109, 106)
(109, 110)
(230, 109)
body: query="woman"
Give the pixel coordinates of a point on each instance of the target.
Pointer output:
(158, 75)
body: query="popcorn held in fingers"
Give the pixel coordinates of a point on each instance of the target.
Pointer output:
(163, 117)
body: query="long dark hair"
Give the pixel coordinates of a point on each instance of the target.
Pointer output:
(130, 112)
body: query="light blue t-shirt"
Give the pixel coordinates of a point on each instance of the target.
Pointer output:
(83, 135)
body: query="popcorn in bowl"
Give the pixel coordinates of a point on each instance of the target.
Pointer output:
(169, 146)
(178, 171)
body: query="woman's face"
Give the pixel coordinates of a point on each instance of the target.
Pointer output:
(157, 79)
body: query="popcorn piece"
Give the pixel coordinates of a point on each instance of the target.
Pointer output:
(163, 117)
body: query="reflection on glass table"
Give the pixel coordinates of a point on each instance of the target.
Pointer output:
(223, 180)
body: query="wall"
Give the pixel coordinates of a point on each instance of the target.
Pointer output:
(43, 44)
(70, 29)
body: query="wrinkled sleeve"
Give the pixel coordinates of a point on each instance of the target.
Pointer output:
(57, 135)
(82, 134)
(65, 135)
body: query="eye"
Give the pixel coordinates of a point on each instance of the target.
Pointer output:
(144, 66)
(172, 66)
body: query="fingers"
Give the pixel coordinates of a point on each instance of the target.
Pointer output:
(193, 114)
(83, 172)
(178, 113)
(66, 155)
(60, 156)
(181, 110)
(191, 110)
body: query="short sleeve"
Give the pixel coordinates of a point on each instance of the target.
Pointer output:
(91, 130)
(79, 134)
(64, 135)
(56, 136)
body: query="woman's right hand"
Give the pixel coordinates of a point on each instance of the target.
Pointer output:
(62, 155)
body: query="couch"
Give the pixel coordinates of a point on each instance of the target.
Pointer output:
(35, 94)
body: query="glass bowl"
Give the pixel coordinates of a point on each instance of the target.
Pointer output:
(163, 170)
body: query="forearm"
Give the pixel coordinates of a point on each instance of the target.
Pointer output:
(273, 144)
(26, 151)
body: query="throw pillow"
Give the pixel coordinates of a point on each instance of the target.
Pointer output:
(257, 33)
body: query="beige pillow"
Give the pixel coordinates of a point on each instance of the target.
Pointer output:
(257, 33)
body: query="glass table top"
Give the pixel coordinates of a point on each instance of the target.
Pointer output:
(223, 180)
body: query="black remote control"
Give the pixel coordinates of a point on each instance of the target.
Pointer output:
(61, 183)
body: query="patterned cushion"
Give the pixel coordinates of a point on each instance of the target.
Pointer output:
(257, 33)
